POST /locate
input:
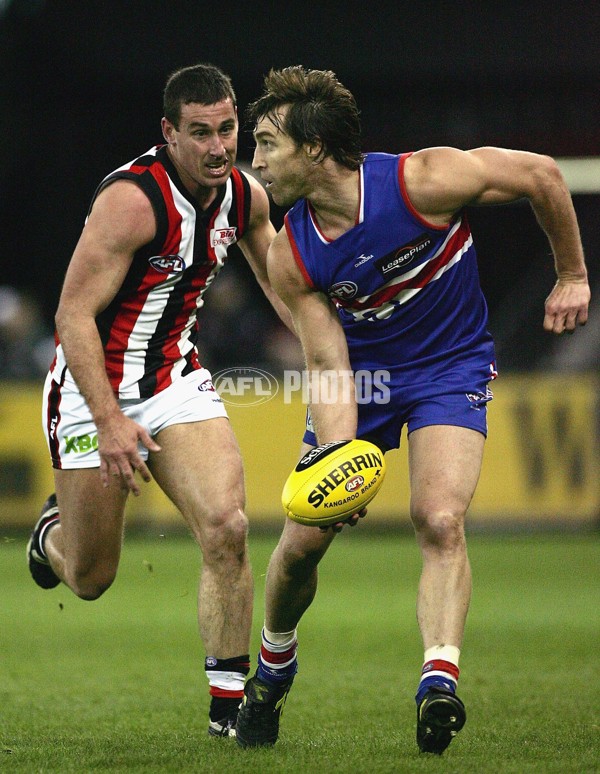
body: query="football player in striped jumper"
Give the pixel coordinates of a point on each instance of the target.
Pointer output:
(377, 265)
(127, 394)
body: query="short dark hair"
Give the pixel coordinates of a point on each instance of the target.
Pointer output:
(202, 83)
(321, 110)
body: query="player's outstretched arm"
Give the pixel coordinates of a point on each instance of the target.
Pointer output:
(441, 181)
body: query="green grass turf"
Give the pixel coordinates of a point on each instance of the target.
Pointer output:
(118, 685)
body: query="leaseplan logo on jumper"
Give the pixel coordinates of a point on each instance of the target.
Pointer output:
(394, 263)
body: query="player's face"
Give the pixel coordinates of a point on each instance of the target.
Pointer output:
(283, 166)
(204, 146)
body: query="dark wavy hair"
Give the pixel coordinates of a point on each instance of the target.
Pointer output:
(202, 83)
(321, 110)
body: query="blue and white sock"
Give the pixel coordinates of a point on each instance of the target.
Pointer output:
(440, 670)
(277, 662)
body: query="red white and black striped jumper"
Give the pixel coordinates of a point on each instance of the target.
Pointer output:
(149, 330)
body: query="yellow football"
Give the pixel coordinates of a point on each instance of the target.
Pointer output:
(333, 481)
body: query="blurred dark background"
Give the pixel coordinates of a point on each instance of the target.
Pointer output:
(81, 90)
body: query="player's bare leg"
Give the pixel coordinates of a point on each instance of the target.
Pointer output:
(291, 586)
(292, 574)
(444, 463)
(84, 547)
(200, 469)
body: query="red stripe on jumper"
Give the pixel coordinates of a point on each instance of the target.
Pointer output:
(420, 280)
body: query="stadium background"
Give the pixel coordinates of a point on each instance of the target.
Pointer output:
(81, 93)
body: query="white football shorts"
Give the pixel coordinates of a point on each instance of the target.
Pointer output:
(72, 437)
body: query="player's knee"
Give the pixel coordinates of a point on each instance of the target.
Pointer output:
(224, 539)
(440, 528)
(299, 560)
(90, 583)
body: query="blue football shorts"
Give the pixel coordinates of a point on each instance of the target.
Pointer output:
(457, 397)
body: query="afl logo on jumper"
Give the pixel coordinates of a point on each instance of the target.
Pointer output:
(167, 264)
(222, 236)
(395, 262)
(344, 290)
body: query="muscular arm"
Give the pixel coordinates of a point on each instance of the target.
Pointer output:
(121, 221)
(324, 344)
(255, 245)
(441, 181)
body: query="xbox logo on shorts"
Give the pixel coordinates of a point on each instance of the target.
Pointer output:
(245, 386)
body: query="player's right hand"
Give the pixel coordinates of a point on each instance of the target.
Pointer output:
(567, 306)
(351, 521)
(118, 439)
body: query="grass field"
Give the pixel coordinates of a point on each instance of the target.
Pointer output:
(118, 685)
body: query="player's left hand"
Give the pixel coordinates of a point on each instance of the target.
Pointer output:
(567, 306)
(351, 521)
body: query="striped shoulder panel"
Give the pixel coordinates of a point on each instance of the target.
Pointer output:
(241, 200)
(149, 174)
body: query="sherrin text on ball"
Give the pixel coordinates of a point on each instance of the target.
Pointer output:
(333, 481)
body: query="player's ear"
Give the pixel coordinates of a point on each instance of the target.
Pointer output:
(314, 151)
(168, 130)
